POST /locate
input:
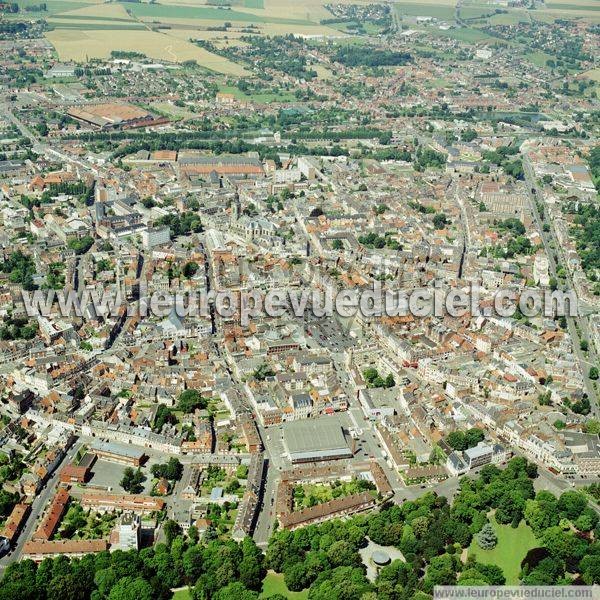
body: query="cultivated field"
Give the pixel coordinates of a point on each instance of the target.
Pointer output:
(101, 11)
(201, 26)
(588, 10)
(440, 9)
(159, 11)
(81, 44)
(87, 29)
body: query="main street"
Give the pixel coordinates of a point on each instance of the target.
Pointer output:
(578, 326)
(39, 504)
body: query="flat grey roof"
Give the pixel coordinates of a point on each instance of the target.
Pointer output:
(117, 449)
(323, 435)
(479, 450)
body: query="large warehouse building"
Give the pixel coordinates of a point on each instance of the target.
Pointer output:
(315, 440)
(192, 163)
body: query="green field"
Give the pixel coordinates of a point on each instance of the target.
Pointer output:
(513, 545)
(465, 34)
(182, 595)
(510, 18)
(475, 12)
(274, 584)
(172, 11)
(563, 6)
(440, 11)
(263, 98)
(53, 7)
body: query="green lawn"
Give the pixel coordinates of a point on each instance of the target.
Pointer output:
(274, 584)
(513, 545)
(182, 595)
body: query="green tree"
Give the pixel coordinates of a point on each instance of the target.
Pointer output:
(132, 480)
(235, 591)
(590, 569)
(440, 221)
(67, 586)
(130, 588)
(440, 571)
(571, 504)
(171, 470)
(81, 245)
(190, 400)
(295, 577)
(541, 513)
(251, 567)
(172, 530)
(190, 269)
(487, 538)
(192, 564)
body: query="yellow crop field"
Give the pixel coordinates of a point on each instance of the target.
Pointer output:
(81, 44)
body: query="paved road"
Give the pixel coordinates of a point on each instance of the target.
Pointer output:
(573, 323)
(38, 506)
(266, 516)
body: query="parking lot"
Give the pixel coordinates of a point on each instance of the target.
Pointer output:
(107, 475)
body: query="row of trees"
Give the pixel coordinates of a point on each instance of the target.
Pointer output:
(324, 558)
(220, 570)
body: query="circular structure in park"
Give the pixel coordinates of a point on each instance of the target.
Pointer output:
(380, 558)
